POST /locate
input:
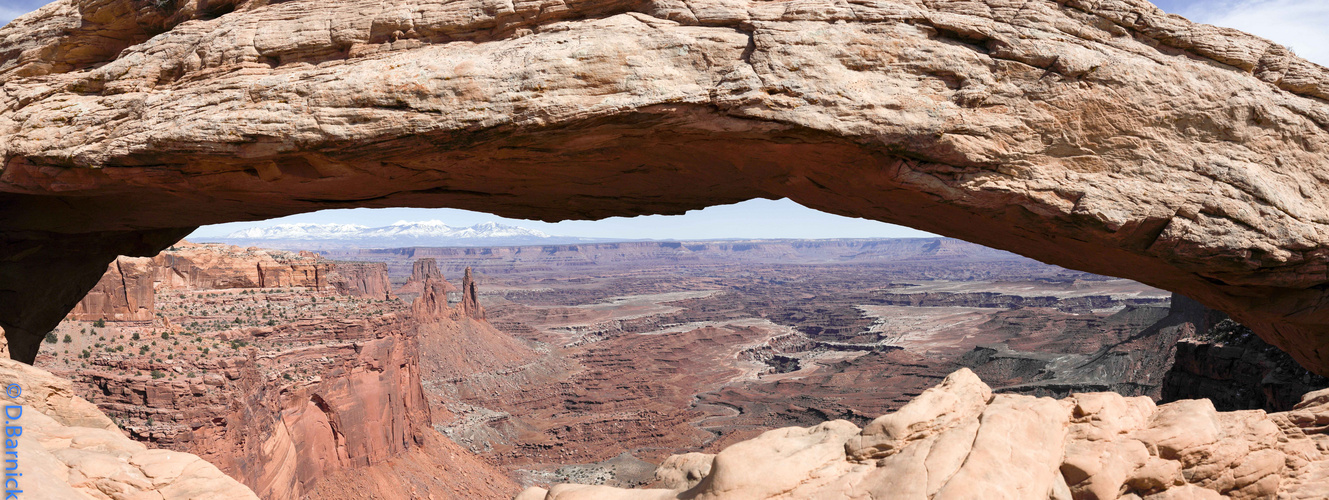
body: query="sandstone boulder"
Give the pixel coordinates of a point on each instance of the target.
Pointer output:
(1090, 446)
(681, 472)
(70, 450)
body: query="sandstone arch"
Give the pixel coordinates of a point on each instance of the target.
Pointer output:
(1102, 135)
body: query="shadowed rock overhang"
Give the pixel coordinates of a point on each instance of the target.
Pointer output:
(1101, 135)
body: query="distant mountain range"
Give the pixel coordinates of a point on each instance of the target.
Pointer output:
(401, 234)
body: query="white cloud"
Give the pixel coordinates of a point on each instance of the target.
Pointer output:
(1300, 24)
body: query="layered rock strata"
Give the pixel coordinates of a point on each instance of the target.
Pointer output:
(1100, 135)
(285, 386)
(68, 450)
(361, 279)
(959, 440)
(1230, 366)
(125, 293)
(426, 279)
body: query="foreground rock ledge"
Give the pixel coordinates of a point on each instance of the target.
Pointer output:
(1102, 135)
(959, 441)
(70, 450)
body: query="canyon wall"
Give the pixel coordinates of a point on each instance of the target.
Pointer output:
(1106, 136)
(505, 259)
(285, 386)
(125, 293)
(61, 447)
(361, 279)
(1231, 366)
(280, 436)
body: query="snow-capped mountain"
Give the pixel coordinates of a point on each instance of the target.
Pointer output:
(399, 234)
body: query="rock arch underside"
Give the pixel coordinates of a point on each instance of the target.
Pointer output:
(1101, 135)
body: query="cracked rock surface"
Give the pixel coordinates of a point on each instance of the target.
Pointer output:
(958, 440)
(1102, 135)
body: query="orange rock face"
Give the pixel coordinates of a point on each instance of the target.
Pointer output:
(470, 298)
(294, 390)
(221, 266)
(125, 293)
(361, 279)
(425, 271)
(366, 409)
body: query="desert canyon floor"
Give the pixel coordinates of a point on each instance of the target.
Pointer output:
(302, 374)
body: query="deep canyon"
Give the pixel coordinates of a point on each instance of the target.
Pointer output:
(1102, 136)
(299, 374)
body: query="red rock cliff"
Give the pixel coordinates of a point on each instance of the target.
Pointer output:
(470, 297)
(284, 389)
(361, 279)
(124, 293)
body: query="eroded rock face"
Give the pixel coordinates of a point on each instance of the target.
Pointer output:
(70, 450)
(361, 279)
(426, 281)
(225, 266)
(958, 440)
(327, 403)
(1232, 367)
(1100, 135)
(124, 293)
(470, 297)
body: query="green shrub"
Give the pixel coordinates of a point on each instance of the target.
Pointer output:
(51, 338)
(68, 339)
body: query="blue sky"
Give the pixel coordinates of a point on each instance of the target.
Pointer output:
(1300, 24)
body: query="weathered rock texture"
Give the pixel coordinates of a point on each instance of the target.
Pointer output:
(361, 279)
(68, 449)
(1232, 367)
(1102, 135)
(125, 293)
(959, 440)
(44, 273)
(426, 279)
(326, 403)
(470, 297)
